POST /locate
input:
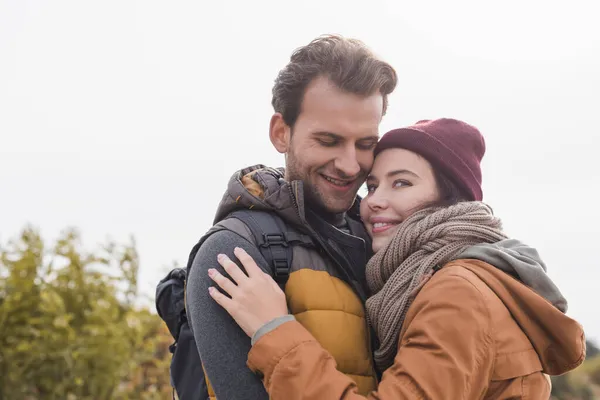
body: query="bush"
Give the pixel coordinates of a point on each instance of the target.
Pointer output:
(69, 328)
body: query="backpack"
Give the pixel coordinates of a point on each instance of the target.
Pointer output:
(275, 244)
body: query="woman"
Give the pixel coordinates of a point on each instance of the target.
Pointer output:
(449, 325)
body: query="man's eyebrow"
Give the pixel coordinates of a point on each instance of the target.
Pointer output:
(335, 136)
(330, 135)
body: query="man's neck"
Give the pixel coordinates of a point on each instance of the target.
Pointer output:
(336, 219)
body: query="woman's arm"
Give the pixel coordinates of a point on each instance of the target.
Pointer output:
(446, 351)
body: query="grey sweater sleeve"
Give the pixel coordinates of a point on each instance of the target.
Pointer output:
(222, 344)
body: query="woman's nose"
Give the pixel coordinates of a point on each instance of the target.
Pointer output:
(377, 200)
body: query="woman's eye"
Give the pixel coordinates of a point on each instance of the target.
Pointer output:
(371, 188)
(401, 183)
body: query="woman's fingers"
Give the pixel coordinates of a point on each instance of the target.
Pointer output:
(223, 282)
(255, 300)
(274, 285)
(248, 262)
(232, 269)
(237, 275)
(221, 299)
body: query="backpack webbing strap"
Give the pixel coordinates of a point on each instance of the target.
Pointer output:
(273, 240)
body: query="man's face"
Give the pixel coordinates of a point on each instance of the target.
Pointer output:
(331, 144)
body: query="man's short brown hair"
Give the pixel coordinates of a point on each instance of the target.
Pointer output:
(348, 63)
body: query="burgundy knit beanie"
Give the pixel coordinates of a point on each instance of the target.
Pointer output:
(451, 146)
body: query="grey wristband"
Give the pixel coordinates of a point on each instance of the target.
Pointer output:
(271, 325)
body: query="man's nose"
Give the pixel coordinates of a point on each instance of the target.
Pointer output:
(347, 163)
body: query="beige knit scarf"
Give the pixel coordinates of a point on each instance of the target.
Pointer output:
(426, 239)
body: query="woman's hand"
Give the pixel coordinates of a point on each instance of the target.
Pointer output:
(255, 298)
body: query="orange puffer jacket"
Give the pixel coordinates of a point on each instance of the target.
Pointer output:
(473, 332)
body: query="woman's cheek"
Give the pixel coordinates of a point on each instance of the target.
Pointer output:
(364, 210)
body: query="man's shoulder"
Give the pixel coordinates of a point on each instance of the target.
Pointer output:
(217, 241)
(248, 229)
(253, 225)
(236, 225)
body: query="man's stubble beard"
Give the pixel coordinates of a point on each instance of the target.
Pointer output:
(312, 196)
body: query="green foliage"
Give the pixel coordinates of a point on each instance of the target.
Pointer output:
(69, 328)
(582, 383)
(591, 350)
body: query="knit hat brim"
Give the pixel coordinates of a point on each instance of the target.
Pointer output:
(438, 154)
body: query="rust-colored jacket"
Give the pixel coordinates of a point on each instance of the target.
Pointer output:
(473, 332)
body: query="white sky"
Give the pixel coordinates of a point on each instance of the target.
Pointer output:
(123, 117)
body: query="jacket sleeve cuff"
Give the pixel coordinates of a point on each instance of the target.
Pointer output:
(271, 325)
(266, 353)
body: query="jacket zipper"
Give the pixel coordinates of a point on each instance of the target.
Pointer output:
(317, 237)
(348, 280)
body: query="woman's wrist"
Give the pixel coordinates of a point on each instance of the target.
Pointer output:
(271, 325)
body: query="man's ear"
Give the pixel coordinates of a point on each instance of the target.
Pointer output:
(279, 133)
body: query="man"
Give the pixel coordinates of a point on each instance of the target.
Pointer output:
(328, 103)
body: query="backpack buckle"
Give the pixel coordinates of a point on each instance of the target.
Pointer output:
(277, 239)
(281, 267)
(172, 347)
(282, 270)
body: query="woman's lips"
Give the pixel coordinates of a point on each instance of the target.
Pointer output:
(379, 227)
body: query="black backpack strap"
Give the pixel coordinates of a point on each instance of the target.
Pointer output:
(273, 239)
(215, 228)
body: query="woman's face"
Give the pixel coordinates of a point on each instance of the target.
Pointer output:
(400, 183)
